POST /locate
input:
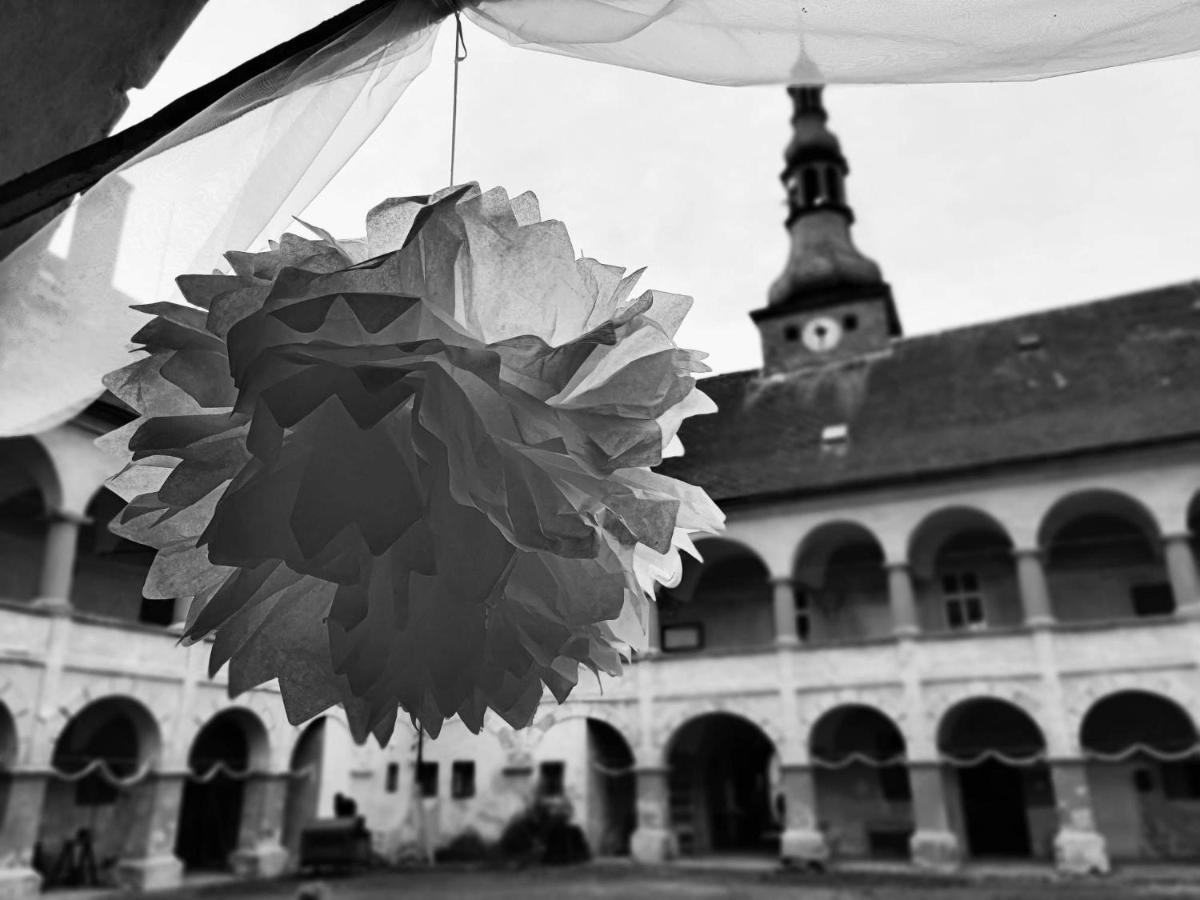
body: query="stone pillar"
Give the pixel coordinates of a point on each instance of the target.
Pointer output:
(1181, 568)
(1079, 849)
(260, 852)
(933, 846)
(784, 595)
(148, 861)
(20, 820)
(58, 560)
(652, 841)
(1035, 593)
(179, 613)
(902, 599)
(802, 843)
(653, 630)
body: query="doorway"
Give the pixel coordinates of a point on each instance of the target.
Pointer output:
(993, 802)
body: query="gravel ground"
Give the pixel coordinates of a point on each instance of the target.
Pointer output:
(613, 882)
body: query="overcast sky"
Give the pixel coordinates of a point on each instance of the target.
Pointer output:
(979, 201)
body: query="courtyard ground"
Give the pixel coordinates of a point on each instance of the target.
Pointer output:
(626, 882)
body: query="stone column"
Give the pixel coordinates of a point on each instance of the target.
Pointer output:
(784, 595)
(1079, 849)
(58, 560)
(802, 843)
(1181, 568)
(652, 841)
(148, 861)
(1035, 593)
(902, 599)
(20, 820)
(260, 852)
(653, 630)
(933, 846)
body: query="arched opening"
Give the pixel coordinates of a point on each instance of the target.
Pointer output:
(864, 799)
(1144, 776)
(8, 759)
(612, 790)
(590, 763)
(723, 602)
(24, 472)
(998, 778)
(110, 571)
(833, 185)
(91, 807)
(1103, 559)
(225, 750)
(840, 585)
(722, 784)
(304, 788)
(812, 186)
(964, 573)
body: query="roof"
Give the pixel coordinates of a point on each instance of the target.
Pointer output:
(1077, 379)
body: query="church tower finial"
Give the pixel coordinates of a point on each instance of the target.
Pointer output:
(830, 301)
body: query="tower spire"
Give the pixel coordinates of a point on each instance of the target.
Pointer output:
(825, 272)
(823, 256)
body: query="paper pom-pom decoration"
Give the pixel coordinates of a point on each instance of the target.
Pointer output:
(413, 471)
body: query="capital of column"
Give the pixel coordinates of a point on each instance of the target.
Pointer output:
(1020, 553)
(781, 581)
(651, 769)
(1176, 537)
(897, 565)
(67, 516)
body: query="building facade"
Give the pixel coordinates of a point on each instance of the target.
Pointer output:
(955, 616)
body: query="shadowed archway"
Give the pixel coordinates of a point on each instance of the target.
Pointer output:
(720, 785)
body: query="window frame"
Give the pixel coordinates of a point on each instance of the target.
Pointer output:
(962, 599)
(462, 779)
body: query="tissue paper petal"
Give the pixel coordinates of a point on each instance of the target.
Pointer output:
(419, 480)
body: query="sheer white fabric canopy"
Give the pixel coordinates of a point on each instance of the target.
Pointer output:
(232, 175)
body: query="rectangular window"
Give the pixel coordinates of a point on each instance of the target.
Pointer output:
(427, 779)
(1152, 599)
(963, 599)
(803, 619)
(392, 778)
(157, 612)
(462, 779)
(676, 638)
(550, 779)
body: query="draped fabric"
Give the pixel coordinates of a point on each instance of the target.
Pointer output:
(237, 172)
(242, 167)
(738, 42)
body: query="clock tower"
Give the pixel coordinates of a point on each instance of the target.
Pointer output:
(831, 302)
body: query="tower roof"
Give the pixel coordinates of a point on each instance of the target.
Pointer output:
(1059, 384)
(824, 267)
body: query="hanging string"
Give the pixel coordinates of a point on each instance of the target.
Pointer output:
(220, 767)
(102, 769)
(614, 772)
(859, 759)
(460, 54)
(1039, 757)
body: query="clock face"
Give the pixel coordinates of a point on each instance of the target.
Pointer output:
(821, 334)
